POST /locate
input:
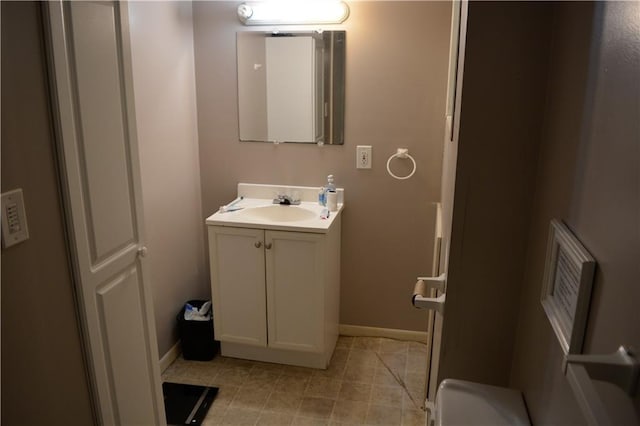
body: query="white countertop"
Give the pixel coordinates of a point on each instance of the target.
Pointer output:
(253, 196)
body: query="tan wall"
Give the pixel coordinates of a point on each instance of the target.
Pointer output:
(588, 176)
(502, 103)
(253, 101)
(164, 79)
(43, 374)
(395, 97)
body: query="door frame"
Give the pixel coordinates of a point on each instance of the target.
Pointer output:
(445, 207)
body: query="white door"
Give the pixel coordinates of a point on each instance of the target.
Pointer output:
(93, 95)
(450, 156)
(236, 257)
(295, 290)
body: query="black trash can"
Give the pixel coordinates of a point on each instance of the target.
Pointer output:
(197, 337)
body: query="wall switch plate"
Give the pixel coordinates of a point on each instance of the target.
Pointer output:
(363, 156)
(14, 219)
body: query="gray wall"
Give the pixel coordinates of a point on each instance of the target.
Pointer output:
(588, 176)
(548, 394)
(395, 97)
(43, 373)
(252, 102)
(549, 129)
(501, 115)
(165, 95)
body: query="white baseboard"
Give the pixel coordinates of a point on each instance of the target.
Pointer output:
(170, 356)
(345, 330)
(391, 333)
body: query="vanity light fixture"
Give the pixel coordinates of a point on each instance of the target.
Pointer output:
(284, 12)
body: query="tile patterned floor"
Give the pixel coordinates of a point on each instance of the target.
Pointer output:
(370, 381)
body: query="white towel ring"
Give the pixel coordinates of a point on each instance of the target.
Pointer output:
(402, 153)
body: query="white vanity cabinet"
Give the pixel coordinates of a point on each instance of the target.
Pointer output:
(237, 262)
(276, 293)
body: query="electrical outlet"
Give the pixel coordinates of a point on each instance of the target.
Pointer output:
(363, 156)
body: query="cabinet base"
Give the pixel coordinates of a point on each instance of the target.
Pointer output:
(277, 356)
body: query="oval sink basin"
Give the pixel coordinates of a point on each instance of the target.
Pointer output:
(277, 213)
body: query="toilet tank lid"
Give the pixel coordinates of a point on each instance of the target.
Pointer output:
(461, 402)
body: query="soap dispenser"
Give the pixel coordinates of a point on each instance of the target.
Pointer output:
(330, 196)
(322, 194)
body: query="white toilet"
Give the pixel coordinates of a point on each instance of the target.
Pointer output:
(466, 403)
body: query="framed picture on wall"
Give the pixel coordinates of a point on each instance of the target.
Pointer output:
(566, 287)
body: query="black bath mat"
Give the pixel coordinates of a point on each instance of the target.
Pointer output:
(187, 404)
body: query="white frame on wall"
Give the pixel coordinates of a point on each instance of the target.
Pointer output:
(566, 286)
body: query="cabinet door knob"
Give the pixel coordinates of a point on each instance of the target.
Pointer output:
(267, 246)
(258, 244)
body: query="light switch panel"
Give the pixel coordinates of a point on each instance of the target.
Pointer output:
(14, 219)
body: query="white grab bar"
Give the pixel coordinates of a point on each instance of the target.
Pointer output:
(620, 368)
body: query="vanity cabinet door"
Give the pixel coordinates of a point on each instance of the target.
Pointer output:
(237, 265)
(295, 290)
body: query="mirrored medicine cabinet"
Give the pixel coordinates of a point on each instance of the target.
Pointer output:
(291, 86)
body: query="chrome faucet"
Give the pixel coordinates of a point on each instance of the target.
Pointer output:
(285, 200)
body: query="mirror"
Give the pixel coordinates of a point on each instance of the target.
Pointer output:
(291, 86)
